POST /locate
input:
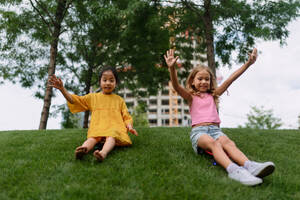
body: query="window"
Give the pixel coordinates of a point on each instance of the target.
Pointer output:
(129, 95)
(153, 121)
(153, 102)
(130, 104)
(152, 111)
(165, 102)
(165, 111)
(165, 121)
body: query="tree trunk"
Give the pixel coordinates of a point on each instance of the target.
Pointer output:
(86, 119)
(59, 15)
(87, 90)
(48, 93)
(209, 36)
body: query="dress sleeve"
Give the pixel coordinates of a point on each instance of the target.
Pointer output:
(125, 114)
(81, 103)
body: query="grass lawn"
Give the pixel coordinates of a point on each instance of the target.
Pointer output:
(160, 164)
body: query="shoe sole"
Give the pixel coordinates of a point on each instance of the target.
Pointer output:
(252, 183)
(266, 171)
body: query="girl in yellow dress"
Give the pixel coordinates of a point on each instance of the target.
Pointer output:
(110, 119)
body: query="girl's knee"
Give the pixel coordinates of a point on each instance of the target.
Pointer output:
(227, 142)
(111, 139)
(217, 144)
(232, 143)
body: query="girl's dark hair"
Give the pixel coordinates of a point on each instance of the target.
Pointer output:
(109, 68)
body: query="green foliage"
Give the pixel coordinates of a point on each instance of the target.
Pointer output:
(261, 118)
(143, 41)
(139, 116)
(110, 33)
(159, 165)
(70, 120)
(94, 34)
(117, 34)
(237, 25)
(25, 43)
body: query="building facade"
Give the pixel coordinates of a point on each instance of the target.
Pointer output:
(165, 109)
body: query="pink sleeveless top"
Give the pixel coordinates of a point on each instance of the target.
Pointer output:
(203, 109)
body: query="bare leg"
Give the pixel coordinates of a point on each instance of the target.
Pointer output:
(85, 148)
(234, 171)
(256, 169)
(109, 144)
(233, 152)
(207, 142)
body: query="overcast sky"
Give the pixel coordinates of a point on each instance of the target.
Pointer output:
(273, 82)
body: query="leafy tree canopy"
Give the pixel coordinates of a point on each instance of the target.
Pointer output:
(261, 118)
(232, 26)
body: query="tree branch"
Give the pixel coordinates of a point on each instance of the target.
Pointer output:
(45, 10)
(195, 10)
(42, 17)
(64, 14)
(67, 7)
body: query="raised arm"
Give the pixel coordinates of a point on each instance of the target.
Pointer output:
(223, 87)
(171, 61)
(58, 84)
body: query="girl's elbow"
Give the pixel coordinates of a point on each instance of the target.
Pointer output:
(71, 101)
(219, 92)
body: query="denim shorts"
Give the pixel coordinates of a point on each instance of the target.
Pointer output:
(211, 130)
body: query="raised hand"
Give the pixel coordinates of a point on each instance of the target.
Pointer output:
(55, 82)
(132, 130)
(170, 59)
(252, 56)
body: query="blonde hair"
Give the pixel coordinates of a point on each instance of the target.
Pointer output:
(213, 83)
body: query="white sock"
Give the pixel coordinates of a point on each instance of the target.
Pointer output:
(247, 164)
(232, 167)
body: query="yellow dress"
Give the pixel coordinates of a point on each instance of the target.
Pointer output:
(109, 115)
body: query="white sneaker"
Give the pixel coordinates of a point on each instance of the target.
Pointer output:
(261, 169)
(244, 177)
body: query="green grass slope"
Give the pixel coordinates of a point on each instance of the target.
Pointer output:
(38, 165)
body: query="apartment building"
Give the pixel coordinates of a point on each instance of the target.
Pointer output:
(165, 109)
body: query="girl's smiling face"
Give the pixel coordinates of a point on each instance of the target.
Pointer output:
(108, 82)
(202, 81)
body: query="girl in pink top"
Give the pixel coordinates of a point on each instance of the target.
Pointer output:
(202, 95)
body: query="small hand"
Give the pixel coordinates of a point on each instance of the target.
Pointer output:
(169, 58)
(132, 130)
(252, 56)
(55, 82)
